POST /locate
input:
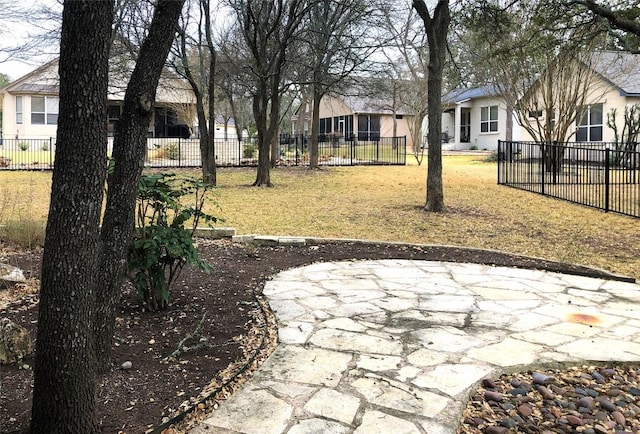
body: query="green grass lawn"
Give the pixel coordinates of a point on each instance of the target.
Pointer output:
(385, 203)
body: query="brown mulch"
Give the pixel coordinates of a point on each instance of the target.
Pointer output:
(221, 310)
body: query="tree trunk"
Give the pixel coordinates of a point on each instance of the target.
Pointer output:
(436, 30)
(208, 149)
(315, 127)
(64, 371)
(128, 154)
(263, 175)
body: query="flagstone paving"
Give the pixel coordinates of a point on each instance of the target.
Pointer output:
(397, 345)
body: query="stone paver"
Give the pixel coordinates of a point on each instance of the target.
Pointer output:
(396, 345)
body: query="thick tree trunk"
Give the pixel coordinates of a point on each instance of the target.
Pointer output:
(128, 153)
(64, 371)
(260, 106)
(435, 194)
(315, 127)
(436, 29)
(208, 149)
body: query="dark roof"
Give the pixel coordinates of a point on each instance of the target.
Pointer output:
(371, 104)
(460, 95)
(621, 69)
(36, 88)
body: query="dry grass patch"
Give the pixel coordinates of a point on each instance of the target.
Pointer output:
(24, 204)
(385, 203)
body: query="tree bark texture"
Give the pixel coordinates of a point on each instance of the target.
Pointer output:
(206, 124)
(128, 154)
(314, 162)
(260, 110)
(436, 29)
(208, 150)
(64, 371)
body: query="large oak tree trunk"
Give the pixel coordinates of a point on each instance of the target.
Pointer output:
(315, 127)
(436, 29)
(128, 154)
(260, 107)
(64, 371)
(208, 148)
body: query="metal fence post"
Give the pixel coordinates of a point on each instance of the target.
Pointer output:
(179, 153)
(607, 168)
(351, 151)
(500, 173)
(50, 151)
(542, 165)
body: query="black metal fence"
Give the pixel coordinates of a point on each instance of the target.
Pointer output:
(27, 154)
(599, 175)
(38, 154)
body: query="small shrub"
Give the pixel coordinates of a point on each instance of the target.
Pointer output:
(45, 146)
(248, 151)
(162, 244)
(492, 157)
(473, 148)
(171, 151)
(23, 146)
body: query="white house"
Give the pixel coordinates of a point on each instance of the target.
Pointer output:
(615, 85)
(475, 118)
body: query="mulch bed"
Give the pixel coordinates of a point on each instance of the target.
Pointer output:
(221, 311)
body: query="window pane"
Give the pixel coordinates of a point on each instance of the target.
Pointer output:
(494, 113)
(375, 124)
(18, 110)
(493, 126)
(484, 114)
(52, 105)
(596, 114)
(52, 118)
(113, 113)
(484, 127)
(581, 134)
(37, 104)
(581, 117)
(595, 134)
(37, 118)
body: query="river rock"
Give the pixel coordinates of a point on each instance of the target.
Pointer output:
(10, 275)
(15, 342)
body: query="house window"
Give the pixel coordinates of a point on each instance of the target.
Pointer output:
(113, 114)
(589, 123)
(44, 110)
(465, 126)
(18, 109)
(535, 114)
(399, 116)
(368, 127)
(489, 119)
(325, 129)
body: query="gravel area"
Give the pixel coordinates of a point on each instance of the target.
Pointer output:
(584, 399)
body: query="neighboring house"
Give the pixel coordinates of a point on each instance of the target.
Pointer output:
(30, 105)
(225, 129)
(475, 118)
(616, 86)
(354, 117)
